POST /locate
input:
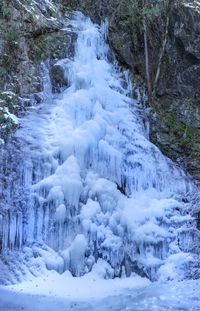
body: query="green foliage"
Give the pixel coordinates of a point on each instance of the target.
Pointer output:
(2, 77)
(2, 3)
(71, 3)
(181, 135)
(152, 11)
(6, 123)
(5, 11)
(9, 100)
(11, 38)
(134, 11)
(9, 55)
(125, 22)
(8, 107)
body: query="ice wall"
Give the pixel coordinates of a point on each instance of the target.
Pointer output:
(85, 179)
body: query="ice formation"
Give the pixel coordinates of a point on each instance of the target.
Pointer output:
(86, 181)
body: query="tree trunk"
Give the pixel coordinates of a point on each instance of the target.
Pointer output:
(163, 48)
(147, 57)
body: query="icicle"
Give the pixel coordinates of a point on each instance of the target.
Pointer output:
(105, 28)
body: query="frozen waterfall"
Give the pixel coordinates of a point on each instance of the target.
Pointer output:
(85, 186)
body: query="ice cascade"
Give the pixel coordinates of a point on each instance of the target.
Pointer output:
(85, 180)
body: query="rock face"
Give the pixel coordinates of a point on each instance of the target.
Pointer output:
(175, 113)
(31, 34)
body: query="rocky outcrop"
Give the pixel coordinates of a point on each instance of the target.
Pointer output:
(176, 122)
(31, 34)
(175, 113)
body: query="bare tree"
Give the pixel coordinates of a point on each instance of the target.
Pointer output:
(164, 43)
(142, 12)
(148, 78)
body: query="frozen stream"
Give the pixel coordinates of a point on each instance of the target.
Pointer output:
(172, 296)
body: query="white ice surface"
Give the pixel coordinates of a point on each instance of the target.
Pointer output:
(89, 286)
(54, 292)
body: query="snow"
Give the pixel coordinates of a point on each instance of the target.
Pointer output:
(60, 214)
(90, 210)
(77, 255)
(1, 142)
(9, 116)
(193, 5)
(67, 178)
(89, 286)
(174, 266)
(63, 292)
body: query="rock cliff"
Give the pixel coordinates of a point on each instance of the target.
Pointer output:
(31, 33)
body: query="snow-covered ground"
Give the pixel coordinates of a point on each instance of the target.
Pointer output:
(55, 292)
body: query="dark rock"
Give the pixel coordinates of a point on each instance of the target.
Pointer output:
(37, 98)
(58, 77)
